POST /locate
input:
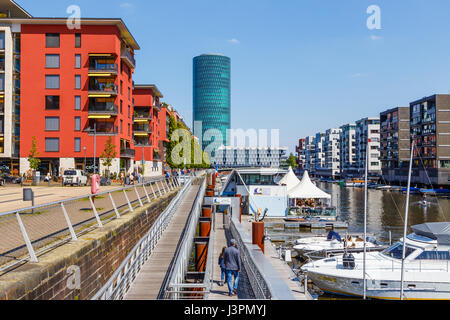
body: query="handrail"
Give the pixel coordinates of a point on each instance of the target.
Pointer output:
(264, 279)
(167, 186)
(183, 253)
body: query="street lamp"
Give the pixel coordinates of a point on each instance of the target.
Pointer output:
(84, 148)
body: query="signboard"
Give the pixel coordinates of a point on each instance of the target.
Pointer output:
(222, 201)
(258, 191)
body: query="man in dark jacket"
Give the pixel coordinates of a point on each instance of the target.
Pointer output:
(232, 261)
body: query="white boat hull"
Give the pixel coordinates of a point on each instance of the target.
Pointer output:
(381, 289)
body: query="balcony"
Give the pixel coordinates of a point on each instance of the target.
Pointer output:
(128, 58)
(142, 117)
(102, 130)
(127, 153)
(141, 130)
(102, 111)
(103, 70)
(102, 90)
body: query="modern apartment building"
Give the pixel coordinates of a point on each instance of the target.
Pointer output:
(348, 158)
(234, 157)
(430, 131)
(301, 155)
(10, 85)
(395, 146)
(310, 154)
(146, 129)
(368, 138)
(320, 152)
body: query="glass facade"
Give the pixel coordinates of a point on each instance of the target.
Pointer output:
(212, 95)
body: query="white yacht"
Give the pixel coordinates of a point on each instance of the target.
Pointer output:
(426, 265)
(332, 242)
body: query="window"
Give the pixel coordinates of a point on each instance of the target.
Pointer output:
(77, 82)
(434, 255)
(2, 82)
(78, 61)
(52, 102)
(52, 82)
(128, 93)
(128, 129)
(51, 144)
(77, 103)
(396, 251)
(51, 123)
(121, 105)
(52, 40)
(77, 144)
(77, 124)
(52, 60)
(128, 111)
(121, 86)
(121, 124)
(77, 40)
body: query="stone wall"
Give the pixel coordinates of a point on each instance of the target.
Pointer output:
(96, 255)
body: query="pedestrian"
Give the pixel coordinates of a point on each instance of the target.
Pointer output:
(232, 261)
(222, 267)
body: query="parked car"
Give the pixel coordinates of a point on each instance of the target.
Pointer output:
(74, 177)
(11, 179)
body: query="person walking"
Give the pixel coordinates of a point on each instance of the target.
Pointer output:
(222, 267)
(232, 261)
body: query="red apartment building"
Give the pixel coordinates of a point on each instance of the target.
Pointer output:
(76, 84)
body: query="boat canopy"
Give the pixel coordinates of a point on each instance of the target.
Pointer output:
(307, 190)
(290, 180)
(439, 231)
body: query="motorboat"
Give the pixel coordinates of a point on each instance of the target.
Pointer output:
(333, 241)
(426, 266)
(314, 213)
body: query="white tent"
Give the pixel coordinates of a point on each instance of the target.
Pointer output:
(307, 190)
(290, 180)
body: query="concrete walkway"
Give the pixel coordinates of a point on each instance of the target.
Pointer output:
(280, 266)
(222, 239)
(150, 279)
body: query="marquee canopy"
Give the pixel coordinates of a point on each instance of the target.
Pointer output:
(290, 180)
(306, 189)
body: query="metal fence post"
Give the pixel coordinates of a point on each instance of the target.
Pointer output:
(159, 191)
(128, 200)
(69, 224)
(138, 196)
(146, 193)
(114, 205)
(33, 257)
(100, 225)
(167, 184)
(153, 191)
(162, 187)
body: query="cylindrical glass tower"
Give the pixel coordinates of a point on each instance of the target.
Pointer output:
(212, 97)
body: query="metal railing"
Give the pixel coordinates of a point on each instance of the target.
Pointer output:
(26, 233)
(264, 279)
(177, 288)
(120, 282)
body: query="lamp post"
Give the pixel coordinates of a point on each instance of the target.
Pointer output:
(84, 169)
(95, 136)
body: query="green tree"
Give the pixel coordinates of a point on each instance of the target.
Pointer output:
(33, 154)
(109, 153)
(292, 161)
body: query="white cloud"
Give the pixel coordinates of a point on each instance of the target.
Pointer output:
(375, 38)
(126, 5)
(234, 41)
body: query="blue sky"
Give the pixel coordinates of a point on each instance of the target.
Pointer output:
(301, 66)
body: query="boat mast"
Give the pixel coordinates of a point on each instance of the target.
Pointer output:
(408, 191)
(365, 219)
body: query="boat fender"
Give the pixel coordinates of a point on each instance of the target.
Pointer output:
(345, 261)
(351, 260)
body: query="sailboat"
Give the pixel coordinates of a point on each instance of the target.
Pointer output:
(416, 267)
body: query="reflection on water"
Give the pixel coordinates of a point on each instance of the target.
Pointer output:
(386, 209)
